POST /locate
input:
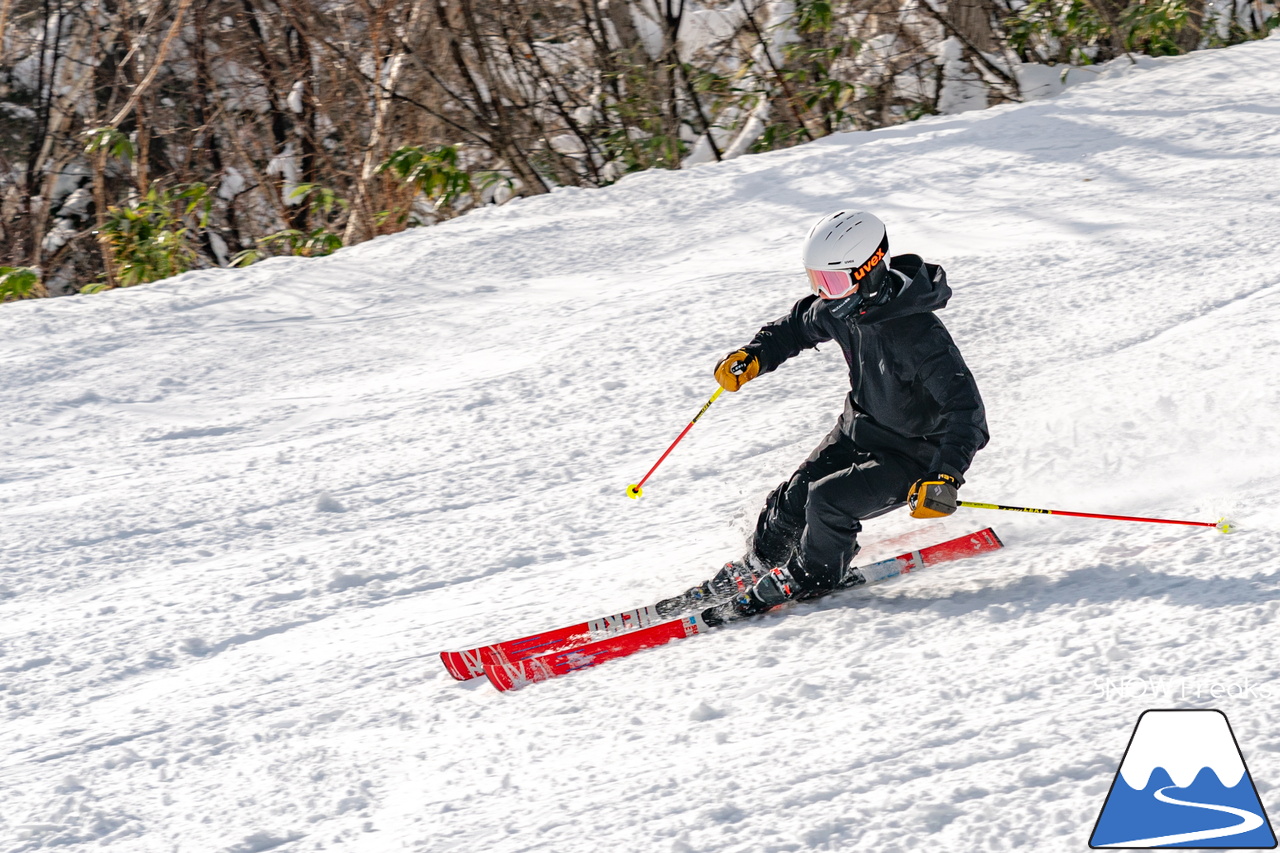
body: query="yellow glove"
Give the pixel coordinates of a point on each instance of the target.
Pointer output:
(737, 369)
(933, 496)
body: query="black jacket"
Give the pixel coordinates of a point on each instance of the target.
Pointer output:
(911, 391)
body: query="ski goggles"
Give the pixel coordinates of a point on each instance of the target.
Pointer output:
(831, 284)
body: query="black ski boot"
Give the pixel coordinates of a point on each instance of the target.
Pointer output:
(736, 577)
(792, 582)
(775, 587)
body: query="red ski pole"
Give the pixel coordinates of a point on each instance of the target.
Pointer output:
(634, 491)
(1220, 524)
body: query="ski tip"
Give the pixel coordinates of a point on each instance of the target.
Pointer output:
(463, 666)
(512, 675)
(503, 680)
(1225, 526)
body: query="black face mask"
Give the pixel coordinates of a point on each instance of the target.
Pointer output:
(842, 308)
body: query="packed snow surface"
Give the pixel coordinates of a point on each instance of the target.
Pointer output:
(241, 511)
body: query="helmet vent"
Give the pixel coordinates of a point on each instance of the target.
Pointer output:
(844, 240)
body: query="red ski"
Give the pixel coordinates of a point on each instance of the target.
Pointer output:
(508, 675)
(576, 648)
(468, 664)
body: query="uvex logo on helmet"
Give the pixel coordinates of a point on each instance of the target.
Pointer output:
(861, 272)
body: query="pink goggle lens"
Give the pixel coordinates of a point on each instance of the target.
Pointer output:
(831, 284)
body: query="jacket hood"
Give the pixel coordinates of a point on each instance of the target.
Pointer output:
(925, 290)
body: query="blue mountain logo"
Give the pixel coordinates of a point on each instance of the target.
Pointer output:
(1183, 783)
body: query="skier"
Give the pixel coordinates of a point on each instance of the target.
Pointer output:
(912, 421)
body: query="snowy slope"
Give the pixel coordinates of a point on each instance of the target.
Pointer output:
(240, 512)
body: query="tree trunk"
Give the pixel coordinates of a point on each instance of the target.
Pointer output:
(972, 18)
(1188, 38)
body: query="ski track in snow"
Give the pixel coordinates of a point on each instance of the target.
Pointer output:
(240, 511)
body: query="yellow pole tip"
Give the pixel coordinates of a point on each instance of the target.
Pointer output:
(634, 491)
(1224, 526)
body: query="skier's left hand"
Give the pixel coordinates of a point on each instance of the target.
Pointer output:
(933, 496)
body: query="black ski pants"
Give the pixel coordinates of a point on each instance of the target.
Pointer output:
(820, 509)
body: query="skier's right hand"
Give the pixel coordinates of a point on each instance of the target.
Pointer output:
(933, 496)
(737, 369)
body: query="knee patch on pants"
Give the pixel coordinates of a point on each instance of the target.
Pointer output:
(777, 533)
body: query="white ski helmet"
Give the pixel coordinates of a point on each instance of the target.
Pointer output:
(847, 257)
